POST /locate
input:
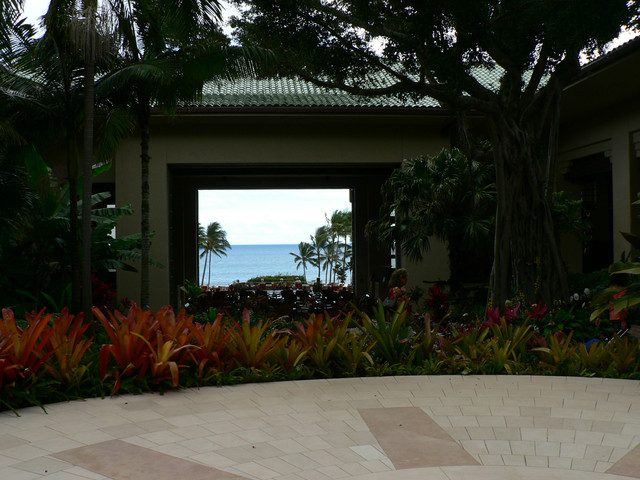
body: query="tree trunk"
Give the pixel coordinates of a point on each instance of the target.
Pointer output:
(527, 259)
(87, 181)
(204, 269)
(144, 116)
(74, 229)
(457, 265)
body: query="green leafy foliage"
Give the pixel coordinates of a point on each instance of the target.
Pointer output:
(253, 346)
(624, 354)
(558, 354)
(36, 259)
(446, 196)
(594, 358)
(392, 336)
(619, 298)
(320, 336)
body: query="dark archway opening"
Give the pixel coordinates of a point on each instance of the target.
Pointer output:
(364, 182)
(593, 177)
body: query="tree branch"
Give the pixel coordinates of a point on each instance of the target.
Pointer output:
(381, 30)
(538, 71)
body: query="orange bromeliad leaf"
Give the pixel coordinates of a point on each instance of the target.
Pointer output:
(253, 346)
(69, 348)
(212, 340)
(131, 354)
(24, 351)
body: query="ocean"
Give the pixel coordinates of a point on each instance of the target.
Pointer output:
(247, 261)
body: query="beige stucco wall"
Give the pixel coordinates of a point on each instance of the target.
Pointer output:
(255, 139)
(249, 139)
(433, 268)
(615, 132)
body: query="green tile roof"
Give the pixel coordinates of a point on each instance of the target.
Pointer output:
(293, 92)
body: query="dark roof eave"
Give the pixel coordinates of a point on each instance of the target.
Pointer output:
(607, 60)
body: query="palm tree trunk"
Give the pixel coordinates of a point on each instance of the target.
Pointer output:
(144, 115)
(319, 263)
(204, 269)
(87, 173)
(74, 243)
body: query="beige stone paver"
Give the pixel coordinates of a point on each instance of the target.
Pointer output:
(540, 427)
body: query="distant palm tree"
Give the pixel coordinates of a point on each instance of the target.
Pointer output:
(213, 241)
(331, 259)
(304, 257)
(341, 224)
(318, 243)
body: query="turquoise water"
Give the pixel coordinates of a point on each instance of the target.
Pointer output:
(246, 261)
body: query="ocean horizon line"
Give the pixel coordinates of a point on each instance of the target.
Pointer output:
(263, 244)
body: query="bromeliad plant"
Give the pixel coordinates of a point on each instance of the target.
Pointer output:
(164, 353)
(392, 336)
(150, 350)
(213, 352)
(254, 346)
(24, 351)
(320, 335)
(69, 346)
(128, 348)
(558, 354)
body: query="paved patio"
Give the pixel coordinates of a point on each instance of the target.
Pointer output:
(398, 428)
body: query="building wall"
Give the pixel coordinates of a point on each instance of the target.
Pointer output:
(255, 139)
(615, 133)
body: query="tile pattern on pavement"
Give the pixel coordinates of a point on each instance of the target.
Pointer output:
(120, 460)
(513, 427)
(411, 439)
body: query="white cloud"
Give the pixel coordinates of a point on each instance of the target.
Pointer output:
(257, 217)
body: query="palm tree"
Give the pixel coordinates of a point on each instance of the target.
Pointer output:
(340, 226)
(202, 244)
(214, 242)
(331, 259)
(169, 49)
(318, 243)
(304, 257)
(9, 13)
(93, 44)
(43, 79)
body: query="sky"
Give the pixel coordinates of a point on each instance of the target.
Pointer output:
(261, 217)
